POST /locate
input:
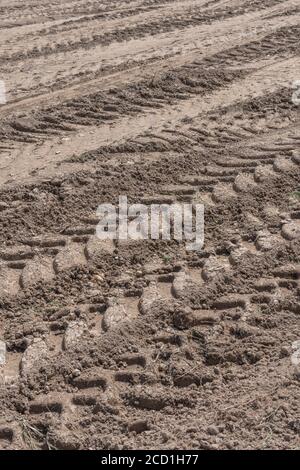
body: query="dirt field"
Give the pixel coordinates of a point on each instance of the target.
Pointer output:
(145, 345)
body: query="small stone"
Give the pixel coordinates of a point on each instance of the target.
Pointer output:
(96, 249)
(115, 314)
(285, 351)
(69, 258)
(244, 183)
(265, 241)
(36, 351)
(165, 436)
(291, 230)
(180, 284)
(138, 426)
(9, 281)
(237, 254)
(74, 331)
(37, 269)
(215, 267)
(150, 297)
(3, 206)
(212, 430)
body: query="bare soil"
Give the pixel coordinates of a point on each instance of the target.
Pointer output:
(144, 345)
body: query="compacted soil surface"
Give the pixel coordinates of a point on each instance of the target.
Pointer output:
(144, 344)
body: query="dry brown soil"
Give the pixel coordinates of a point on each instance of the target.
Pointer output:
(144, 345)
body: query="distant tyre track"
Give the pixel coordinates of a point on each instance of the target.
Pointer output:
(170, 87)
(193, 79)
(179, 21)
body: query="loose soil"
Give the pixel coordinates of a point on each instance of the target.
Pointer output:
(145, 345)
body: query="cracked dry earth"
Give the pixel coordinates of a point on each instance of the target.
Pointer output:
(143, 345)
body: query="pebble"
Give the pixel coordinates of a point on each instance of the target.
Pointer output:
(73, 333)
(138, 426)
(285, 351)
(212, 430)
